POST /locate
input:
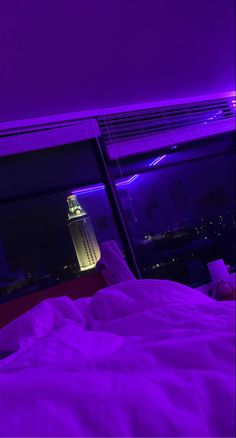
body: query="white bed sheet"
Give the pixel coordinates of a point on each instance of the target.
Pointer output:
(142, 358)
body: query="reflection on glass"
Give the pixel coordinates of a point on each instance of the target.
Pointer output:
(181, 212)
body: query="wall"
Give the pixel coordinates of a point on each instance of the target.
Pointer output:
(72, 55)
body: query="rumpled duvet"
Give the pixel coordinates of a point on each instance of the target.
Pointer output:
(142, 358)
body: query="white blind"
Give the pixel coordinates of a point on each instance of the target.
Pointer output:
(30, 138)
(134, 132)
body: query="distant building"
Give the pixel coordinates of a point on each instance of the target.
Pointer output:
(83, 235)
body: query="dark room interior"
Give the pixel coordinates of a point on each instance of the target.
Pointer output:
(117, 218)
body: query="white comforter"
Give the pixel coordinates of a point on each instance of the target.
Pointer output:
(143, 358)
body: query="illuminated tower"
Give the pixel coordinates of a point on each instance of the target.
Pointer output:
(83, 235)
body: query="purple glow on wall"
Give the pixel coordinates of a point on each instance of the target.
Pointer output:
(82, 60)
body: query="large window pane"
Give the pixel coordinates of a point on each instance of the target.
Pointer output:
(180, 209)
(36, 247)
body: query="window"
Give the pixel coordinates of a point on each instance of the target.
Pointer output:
(170, 213)
(180, 208)
(36, 246)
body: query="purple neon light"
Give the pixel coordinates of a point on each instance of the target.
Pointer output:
(127, 181)
(98, 187)
(89, 189)
(213, 117)
(157, 160)
(15, 125)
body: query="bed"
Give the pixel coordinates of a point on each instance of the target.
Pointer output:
(141, 358)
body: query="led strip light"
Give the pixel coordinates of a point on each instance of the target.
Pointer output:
(119, 184)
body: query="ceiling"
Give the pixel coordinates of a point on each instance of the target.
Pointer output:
(60, 56)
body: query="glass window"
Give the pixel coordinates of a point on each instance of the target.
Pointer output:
(180, 208)
(54, 216)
